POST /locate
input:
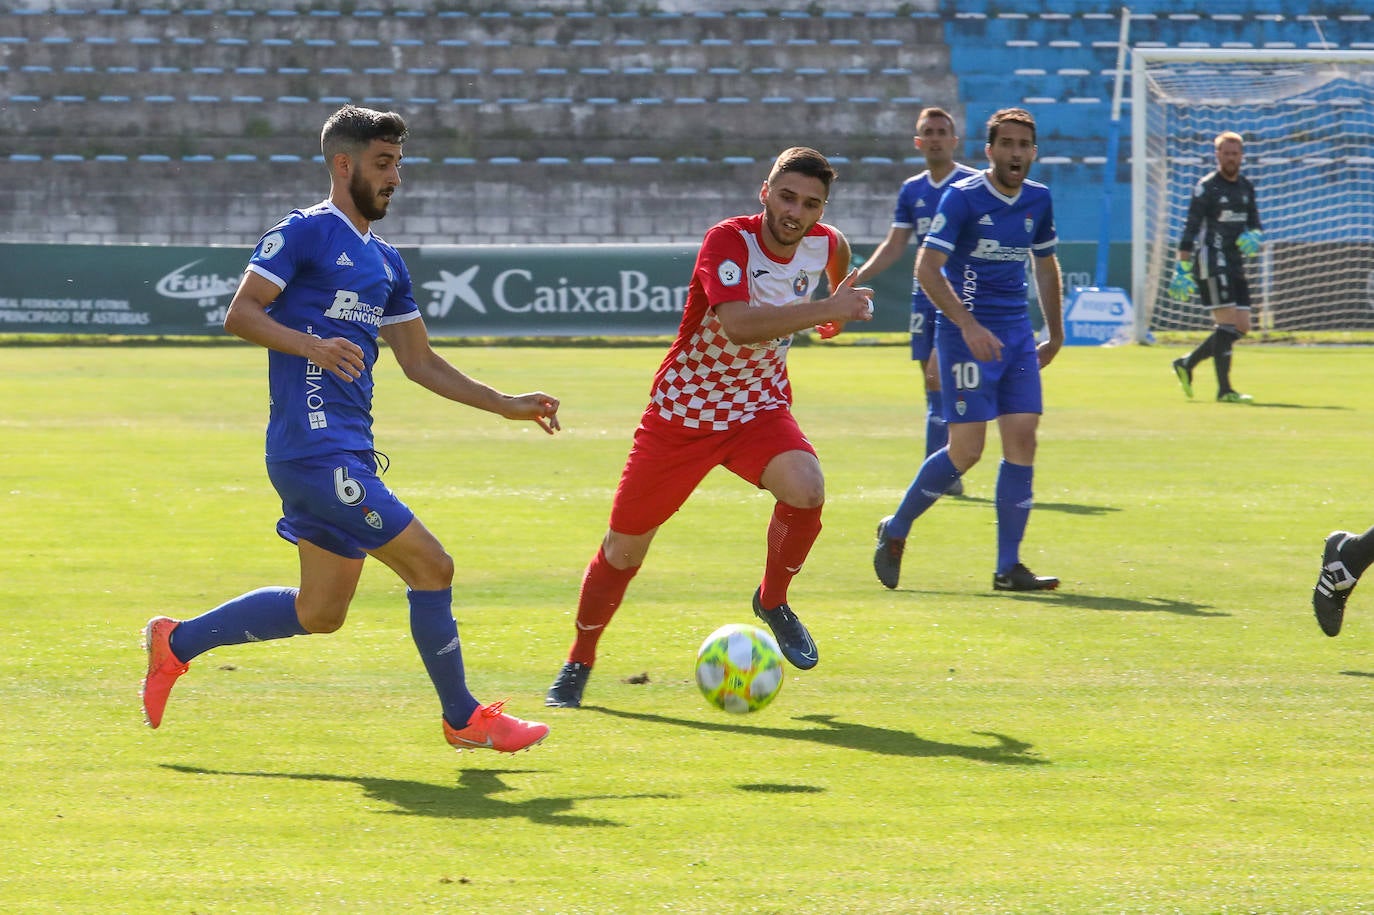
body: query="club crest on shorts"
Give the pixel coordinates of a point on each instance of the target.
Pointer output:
(373, 519)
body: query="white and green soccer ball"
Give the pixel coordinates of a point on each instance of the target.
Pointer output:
(739, 668)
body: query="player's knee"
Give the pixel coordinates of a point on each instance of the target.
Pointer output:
(964, 456)
(441, 568)
(321, 619)
(807, 497)
(626, 551)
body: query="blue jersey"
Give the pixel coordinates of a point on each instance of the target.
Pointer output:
(989, 238)
(335, 283)
(916, 203)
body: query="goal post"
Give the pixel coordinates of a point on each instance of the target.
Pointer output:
(1307, 119)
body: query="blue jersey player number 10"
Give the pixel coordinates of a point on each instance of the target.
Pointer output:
(973, 265)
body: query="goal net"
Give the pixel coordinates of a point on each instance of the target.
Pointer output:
(1307, 118)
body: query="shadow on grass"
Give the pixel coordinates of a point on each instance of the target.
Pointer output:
(474, 797)
(1265, 404)
(1112, 604)
(842, 734)
(779, 788)
(1357, 673)
(1068, 508)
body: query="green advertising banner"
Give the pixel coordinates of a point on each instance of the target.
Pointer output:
(498, 291)
(551, 290)
(116, 289)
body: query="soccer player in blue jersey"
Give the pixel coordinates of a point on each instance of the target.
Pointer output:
(318, 291)
(1222, 229)
(972, 265)
(916, 201)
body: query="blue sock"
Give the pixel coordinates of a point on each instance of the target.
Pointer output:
(1013, 511)
(936, 475)
(258, 616)
(937, 430)
(436, 636)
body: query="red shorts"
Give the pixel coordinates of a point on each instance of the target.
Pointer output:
(667, 462)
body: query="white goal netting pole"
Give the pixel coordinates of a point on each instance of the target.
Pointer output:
(1307, 118)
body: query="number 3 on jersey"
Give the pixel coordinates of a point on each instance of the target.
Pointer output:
(967, 375)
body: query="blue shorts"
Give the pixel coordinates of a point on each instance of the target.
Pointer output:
(922, 328)
(337, 503)
(982, 391)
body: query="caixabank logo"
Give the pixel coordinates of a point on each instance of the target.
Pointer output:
(489, 291)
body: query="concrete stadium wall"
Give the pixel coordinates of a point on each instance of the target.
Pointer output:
(78, 169)
(219, 203)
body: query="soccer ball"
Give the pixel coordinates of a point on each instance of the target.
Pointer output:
(739, 668)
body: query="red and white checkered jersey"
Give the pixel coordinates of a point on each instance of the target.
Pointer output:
(707, 382)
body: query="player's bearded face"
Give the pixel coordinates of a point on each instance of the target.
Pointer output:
(369, 196)
(1011, 155)
(792, 204)
(376, 175)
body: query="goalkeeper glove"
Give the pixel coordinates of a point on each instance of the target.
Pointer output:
(1183, 286)
(1249, 242)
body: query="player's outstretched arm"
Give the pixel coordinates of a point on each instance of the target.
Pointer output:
(747, 324)
(248, 319)
(839, 274)
(885, 255)
(409, 340)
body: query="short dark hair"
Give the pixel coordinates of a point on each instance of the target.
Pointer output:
(805, 161)
(933, 112)
(1010, 116)
(351, 129)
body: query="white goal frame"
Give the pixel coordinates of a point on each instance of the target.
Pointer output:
(1142, 293)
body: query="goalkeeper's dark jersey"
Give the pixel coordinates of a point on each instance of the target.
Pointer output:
(1219, 211)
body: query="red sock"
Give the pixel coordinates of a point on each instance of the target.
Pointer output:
(790, 535)
(603, 588)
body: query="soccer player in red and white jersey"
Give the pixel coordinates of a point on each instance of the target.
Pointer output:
(721, 398)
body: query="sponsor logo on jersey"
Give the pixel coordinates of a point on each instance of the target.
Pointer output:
(970, 287)
(762, 271)
(990, 249)
(348, 307)
(985, 220)
(314, 397)
(344, 260)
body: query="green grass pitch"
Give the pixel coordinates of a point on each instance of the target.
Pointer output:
(1168, 732)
